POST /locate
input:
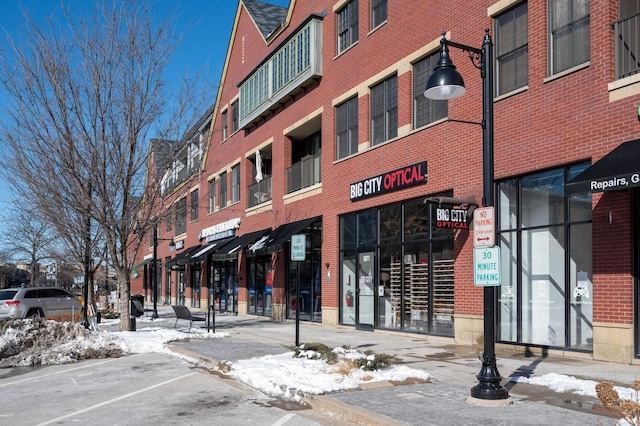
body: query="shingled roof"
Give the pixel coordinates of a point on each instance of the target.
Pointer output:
(268, 17)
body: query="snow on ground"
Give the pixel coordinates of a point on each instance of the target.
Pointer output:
(42, 342)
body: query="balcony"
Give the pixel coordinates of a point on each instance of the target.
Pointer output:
(259, 193)
(291, 68)
(627, 33)
(304, 173)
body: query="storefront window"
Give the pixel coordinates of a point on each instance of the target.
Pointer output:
(406, 283)
(546, 262)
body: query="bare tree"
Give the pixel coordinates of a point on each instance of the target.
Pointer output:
(84, 96)
(31, 240)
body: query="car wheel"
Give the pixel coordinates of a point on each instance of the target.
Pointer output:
(34, 314)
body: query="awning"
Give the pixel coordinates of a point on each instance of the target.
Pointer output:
(201, 255)
(275, 240)
(619, 169)
(233, 247)
(181, 258)
(141, 264)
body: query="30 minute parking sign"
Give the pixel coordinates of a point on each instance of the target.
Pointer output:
(486, 266)
(298, 247)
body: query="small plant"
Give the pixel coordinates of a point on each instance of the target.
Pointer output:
(627, 409)
(347, 358)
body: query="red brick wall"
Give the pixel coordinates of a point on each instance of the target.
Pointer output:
(554, 122)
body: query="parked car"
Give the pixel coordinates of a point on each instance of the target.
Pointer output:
(16, 303)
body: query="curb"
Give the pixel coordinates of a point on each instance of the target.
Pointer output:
(350, 413)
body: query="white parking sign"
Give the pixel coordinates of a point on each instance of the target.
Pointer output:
(298, 247)
(486, 266)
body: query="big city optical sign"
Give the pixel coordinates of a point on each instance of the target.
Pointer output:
(414, 174)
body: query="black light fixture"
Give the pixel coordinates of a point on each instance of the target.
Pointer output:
(447, 83)
(172, 247)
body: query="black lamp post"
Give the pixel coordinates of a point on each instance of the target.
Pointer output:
(446, 83)
(172, 246)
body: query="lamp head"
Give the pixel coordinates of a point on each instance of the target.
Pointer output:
(172, 245)
(445, 82)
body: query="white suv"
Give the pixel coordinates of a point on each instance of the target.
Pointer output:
(28, 302)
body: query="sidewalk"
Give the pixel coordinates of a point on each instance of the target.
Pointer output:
(453, 367)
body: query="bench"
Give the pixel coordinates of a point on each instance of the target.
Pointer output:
(182, 312)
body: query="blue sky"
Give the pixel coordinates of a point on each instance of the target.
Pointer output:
(207, 24)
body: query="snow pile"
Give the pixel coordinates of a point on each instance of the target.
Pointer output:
(44, 342)
(32, 342)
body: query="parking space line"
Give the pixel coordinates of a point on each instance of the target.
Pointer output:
(57, 372)
(111, 401)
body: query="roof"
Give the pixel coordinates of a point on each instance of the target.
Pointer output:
(268, 17)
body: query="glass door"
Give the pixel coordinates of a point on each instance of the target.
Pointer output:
(365, 296)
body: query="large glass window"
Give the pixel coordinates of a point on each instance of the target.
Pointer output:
(512, 49)
(347, 25)
(545, 241)
(347, 128)
(569, 34)
(425, 110)
(384, 111)
(413, 278)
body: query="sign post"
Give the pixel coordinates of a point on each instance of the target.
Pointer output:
(298, 252)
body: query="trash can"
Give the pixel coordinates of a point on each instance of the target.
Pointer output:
(134, 311)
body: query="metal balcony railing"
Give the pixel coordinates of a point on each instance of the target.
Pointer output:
(304, 173)
(259, 193)
(627, 33)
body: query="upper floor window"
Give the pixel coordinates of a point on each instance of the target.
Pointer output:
(347, 128)
(194, 205)
(223, 190)
(569, 34)
(225, 124)
(169, 219)
(181, 216)
(512, 50)
(627, 34)
(234, 117)
(378, 12)
(235, 183)
(425, 110)
(347, 25)
(212, 196)
(384, 110)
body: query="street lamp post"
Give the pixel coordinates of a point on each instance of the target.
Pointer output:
(446, 83)
(172, 247)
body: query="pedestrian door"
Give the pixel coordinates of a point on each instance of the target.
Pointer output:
(365, 295)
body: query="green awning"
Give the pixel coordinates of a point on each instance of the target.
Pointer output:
(141, 264)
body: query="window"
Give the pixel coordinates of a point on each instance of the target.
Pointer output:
(569, 27)
(235, 183)
(425, 110)
(347, 21)
(212, 196)
(181, 216)
(512, 50)
(223, 190)
(194, 205)
(378, 12)
(234, 117)
(169, 219)
(225, 124)
(384, 111)
(347, 128)
(545, 242)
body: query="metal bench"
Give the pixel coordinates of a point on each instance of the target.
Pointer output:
(182, 312)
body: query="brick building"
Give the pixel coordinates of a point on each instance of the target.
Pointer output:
(320, 128)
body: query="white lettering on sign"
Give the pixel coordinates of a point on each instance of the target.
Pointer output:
(221, 227)
(451, 218)
(610, 183)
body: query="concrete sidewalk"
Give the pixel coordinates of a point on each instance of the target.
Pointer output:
(441, 402)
